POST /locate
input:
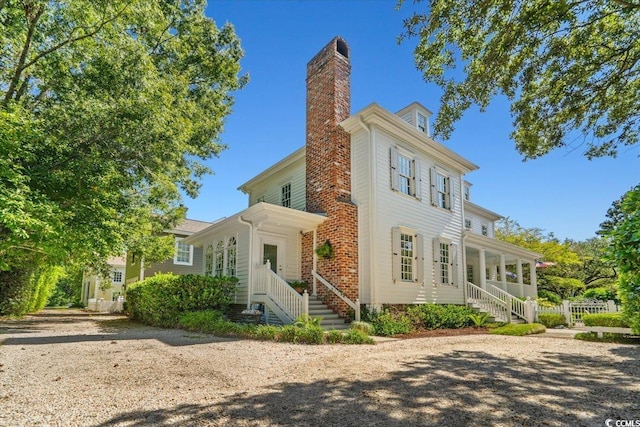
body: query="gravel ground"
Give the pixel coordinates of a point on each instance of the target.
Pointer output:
(69, 368)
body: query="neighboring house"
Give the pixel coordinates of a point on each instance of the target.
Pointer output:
(131, 268)
(392, 203)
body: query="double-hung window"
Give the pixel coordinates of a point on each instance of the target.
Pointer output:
(440, 189)
(405, 173)
(286, 195)
(444, 254)
(116, 277)
(408, 260)
(184, 253)
(219, 259)
(208, 260)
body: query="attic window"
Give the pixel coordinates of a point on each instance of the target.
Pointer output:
(342, 48)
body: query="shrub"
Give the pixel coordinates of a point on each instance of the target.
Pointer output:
(479, 319)
(551, 320)
(607, 337)
(437, 316)
(203, 321)
(333, 337)
(391, 323)
(301, 335)
(356, 336)
(265, 332)
(605, 319)
(161, 299)
(519, 329)
(365, 327)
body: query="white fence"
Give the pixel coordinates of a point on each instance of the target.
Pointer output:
(574, 310)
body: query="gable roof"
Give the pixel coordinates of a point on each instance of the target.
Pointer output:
(296, 156)
(190, 226)
(375, 114)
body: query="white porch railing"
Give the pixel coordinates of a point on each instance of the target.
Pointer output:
(522, 309)
(354, 305)
(483, 300)
(276, 289)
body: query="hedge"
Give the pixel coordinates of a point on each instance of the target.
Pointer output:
(161, 299)
(551, 320)
(605, 319)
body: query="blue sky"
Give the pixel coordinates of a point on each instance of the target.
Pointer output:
(563, 192)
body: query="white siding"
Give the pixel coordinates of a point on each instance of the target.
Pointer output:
(396, 209)
(360, 184)
(270, 190)
(478, 221)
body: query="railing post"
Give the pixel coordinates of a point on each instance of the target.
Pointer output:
(357, 309)
(566, 308)
(611, 306)
(305, 304)
(508, 302)
(528, 310)
(315, 283)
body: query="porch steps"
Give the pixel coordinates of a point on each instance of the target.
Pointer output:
(329, 318)
(478, 308)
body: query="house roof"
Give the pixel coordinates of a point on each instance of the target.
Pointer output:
(479, 210)
(375, 114)
(499, 246)
(190, 226)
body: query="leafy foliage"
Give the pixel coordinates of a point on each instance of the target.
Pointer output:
(614, 320)
(551, 320)
(602, 294)
(570, 69)
(161, 299)
(438, 316)
(519, 330)
(107, 109)
(479, 319)
(623, 231)
(387, 323)
(26, 291)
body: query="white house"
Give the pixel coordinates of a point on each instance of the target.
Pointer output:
(392, 204)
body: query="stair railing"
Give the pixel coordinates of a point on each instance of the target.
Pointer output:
(490, 303)
(517, 306)
(279, 292)
(354, 305)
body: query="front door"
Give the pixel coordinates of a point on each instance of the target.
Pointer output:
(273, 250)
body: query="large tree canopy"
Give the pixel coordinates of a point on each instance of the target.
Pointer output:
(569, 68)
(107, 108)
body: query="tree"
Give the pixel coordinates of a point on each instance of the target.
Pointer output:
(107, 109)
(570, 69)
(622, 229)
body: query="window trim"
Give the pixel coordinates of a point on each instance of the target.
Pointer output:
(435, 190)
(209, 259)
(285, 189)
(468, 224)
(415, 180)
(218, 255)
(175, 255)
(438, 242)
(232, 245)
(484, 230)
(417, 266)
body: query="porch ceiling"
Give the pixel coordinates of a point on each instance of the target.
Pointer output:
(478, 241)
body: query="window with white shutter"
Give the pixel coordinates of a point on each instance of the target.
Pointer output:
(440, 189)
(408, 257)
(405, 173)
(444, 260)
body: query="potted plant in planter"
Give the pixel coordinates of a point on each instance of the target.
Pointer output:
(325, 250)
(299, 286)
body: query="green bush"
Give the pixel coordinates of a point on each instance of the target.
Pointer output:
(479, 319)
(551, 320)
(388, 323)
(333, 337)
(202, 321)
(607, 337)
(356, 336)
(161, 299)
(264, 332)
(438, 316)
(519, 329)
(614, 320)
(27, 290)
(365, 327)
(309, 334)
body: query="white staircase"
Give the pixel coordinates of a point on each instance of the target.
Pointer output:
(501, 306)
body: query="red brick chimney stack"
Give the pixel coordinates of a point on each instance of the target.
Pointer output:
(328, 166)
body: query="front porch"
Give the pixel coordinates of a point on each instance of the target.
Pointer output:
(491, 263)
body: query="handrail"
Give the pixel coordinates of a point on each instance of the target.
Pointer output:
(354, 305)
(517, 306)
(494, 305)
(278, 290)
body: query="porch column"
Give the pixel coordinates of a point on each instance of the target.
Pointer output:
(315, 261)
(503, 272)
(534, 282)
(520, 278)
(483, 269)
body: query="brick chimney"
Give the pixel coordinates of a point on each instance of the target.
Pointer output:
(328, 169)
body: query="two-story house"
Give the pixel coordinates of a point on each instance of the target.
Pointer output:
(104, 293)
(392, 203)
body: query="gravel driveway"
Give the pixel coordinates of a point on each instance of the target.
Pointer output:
(69, 368)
